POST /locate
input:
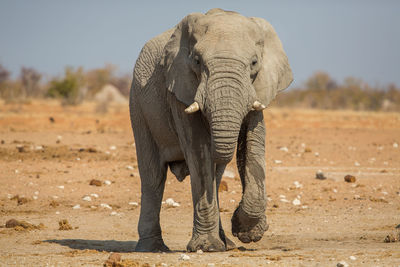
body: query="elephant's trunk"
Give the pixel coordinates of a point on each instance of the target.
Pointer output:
(227, 104)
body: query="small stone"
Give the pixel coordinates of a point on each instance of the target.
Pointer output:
(277, 161)
(107, 182)
(342, 264)
(352, 258)
(284, 200)
(113, 147)
(307, 150)
(94, 195)
(223, 186)
(95, 182)
(297, 184)
(184, 257)
(320, 175)
(106, 206)
(21, 148)
(76, 207)
(87, 198)
(133, 204)
(296, 202)
(229, 174)
(22, 200)
(395, 145)
(199, 251)
(128, 167)
(61, 186)
(283, 148)
(350, 178)
(356, 163)
(176, 204)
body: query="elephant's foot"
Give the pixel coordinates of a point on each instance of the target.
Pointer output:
(155, 244)
(206, 242)
(246, 228)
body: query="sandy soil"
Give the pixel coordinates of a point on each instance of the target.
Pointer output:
(50, 153)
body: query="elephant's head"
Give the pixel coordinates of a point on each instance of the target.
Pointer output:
(225, 65)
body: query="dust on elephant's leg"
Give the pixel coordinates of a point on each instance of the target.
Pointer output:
(152, 175)
(249, 221)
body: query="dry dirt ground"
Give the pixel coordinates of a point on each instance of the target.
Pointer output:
(50, 153)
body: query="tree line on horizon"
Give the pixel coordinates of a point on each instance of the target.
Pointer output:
(320, 91)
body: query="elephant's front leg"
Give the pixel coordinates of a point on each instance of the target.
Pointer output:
(249, 220)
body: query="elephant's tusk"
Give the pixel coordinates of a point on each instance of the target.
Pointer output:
(258, 106)
(192, 108)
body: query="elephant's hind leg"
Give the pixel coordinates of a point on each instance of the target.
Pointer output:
(152, 175)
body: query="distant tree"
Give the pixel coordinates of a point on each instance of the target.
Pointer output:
(97, 78)
(68, 88)
(30, 80)
(320, 81)
(4, 74)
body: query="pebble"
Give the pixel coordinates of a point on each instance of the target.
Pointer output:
(284, 200)
(87, 198)
(104, 205)
(350, 178)
(296, 202)
(76, 207)
(35, 197)
(352, 258)
(229, 174)
(95, 182)
(356, 163)
(113, 147)
(284, 149)
(342, 264)
(316, 154)
(61, 186)
(133, 203)
(297, 184)
(129, 167)
(171, 202)
(199, 251)
(395, 145)
(94, 195)
(277, 161)
(320, 175)
(107, 182)
(184, 257)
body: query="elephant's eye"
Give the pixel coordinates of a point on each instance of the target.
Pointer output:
(254, 62)
(197, 60)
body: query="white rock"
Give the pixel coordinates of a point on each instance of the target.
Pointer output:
(229, 174)
(87, 198)
(304, 207)
(107, 182)
(164, 264)
(356, 163)
(334, 190)
(133, 203)
(57, 212)
(297, 184)
(176, 204)
(232, 201)
(395, 145)
(129, 167)
(36, 193)
(39, 147)
(59, 137)
(303, 145)
(199, 251)
(94, 195)
(106, 206)
(35, 197)
(385, 163)
(296, 202)
(55, 197)
(284, 200)
(9, 196)
(114, 213)
(16, 171)
(113, 147)
(61, 186)
(277, 161)
(78, 159)
(184, 257)
(316, 154)
(169, 201)
(211, 264)
(93, 207)
(282, 196)
(285, 149)
(76, 207)
(352, 258)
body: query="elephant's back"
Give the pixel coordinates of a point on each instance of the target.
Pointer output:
(149, 57)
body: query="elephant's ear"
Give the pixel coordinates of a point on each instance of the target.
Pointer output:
(180, 79)
(275, 73)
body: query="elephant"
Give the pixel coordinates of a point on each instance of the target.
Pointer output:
(198, 92)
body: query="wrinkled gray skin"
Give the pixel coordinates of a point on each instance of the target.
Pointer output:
(224, 62)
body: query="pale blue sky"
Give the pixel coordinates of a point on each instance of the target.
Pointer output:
(344, 38)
